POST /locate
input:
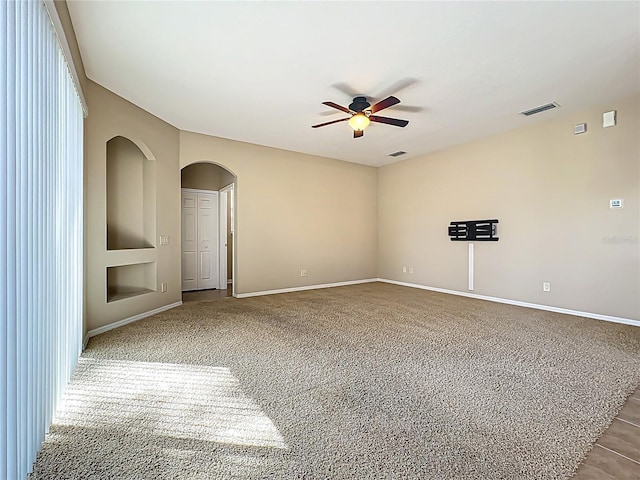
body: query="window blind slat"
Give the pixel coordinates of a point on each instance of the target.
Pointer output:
(10, 252)
(22, 69)
(5, 116)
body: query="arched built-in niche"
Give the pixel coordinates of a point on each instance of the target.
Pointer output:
(131, 195)
(130, 216)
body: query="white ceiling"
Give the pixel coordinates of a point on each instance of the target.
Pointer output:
(258, 71)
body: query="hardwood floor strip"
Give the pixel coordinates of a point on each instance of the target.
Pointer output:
(617, 453)
(612, 464)
(623, 439)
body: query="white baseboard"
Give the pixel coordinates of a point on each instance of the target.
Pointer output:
(120, 323)
(596, 316)
(308, 287)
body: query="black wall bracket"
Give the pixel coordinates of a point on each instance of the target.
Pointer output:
(476, 230)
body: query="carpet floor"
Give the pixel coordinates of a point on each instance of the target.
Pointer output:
(371, 381)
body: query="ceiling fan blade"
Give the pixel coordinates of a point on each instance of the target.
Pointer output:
(398, 86)
(339, 107)
(386, 103)
(329, 123)
(389, 121)
(345, 88)
(409, 108)
(358, 133)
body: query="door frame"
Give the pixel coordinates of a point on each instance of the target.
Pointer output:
(223, 233)
(234, 199)
(223, 238)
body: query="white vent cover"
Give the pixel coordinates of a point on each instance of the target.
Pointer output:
(541, 108)
(397, 154)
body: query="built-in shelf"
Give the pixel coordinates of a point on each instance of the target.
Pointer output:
(131, 255)
(126, 281)
(131, 196)
(116, 295)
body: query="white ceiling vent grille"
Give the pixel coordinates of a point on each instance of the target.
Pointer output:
(541, 108)
(397, 154)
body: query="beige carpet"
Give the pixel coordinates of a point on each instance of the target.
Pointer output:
(371, 381)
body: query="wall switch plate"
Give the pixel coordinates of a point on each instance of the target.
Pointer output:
(163, 287)
(580, 128)
(609, 119)
(303, 272)
(410, 269)
(404, 269)
(546, 287)
(164, 239)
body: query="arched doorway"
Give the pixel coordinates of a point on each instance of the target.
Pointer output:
(208, 230)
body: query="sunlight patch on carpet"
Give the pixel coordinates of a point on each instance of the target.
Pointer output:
(174, 400)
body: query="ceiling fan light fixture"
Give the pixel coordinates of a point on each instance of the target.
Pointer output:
(359, 122)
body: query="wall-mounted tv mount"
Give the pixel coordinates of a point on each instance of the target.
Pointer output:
(476, 230)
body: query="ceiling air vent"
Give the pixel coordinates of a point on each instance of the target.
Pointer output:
(397, 154)
(541, 108)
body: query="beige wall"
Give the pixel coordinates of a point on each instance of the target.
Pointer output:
(226, 178)
(206, 176)
(112, 116)
(201, 176)
(294, 212)
(549, 189)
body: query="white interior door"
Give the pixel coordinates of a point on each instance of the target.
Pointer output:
(208, 240)
(200, 248)
(189, 241)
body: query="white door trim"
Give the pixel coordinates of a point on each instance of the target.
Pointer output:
(230, 188)
(222, 239)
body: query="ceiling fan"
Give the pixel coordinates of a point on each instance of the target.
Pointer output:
(362, 112)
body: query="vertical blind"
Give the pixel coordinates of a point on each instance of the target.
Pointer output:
(41, 267)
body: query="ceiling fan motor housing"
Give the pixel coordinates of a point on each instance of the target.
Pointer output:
(359, 104)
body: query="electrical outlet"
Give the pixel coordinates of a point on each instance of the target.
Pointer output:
(546, 287)
(163, 287)
(303, 272)
(404, 269)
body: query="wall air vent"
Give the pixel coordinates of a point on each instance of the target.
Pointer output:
(541, 108)
(397, 154)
